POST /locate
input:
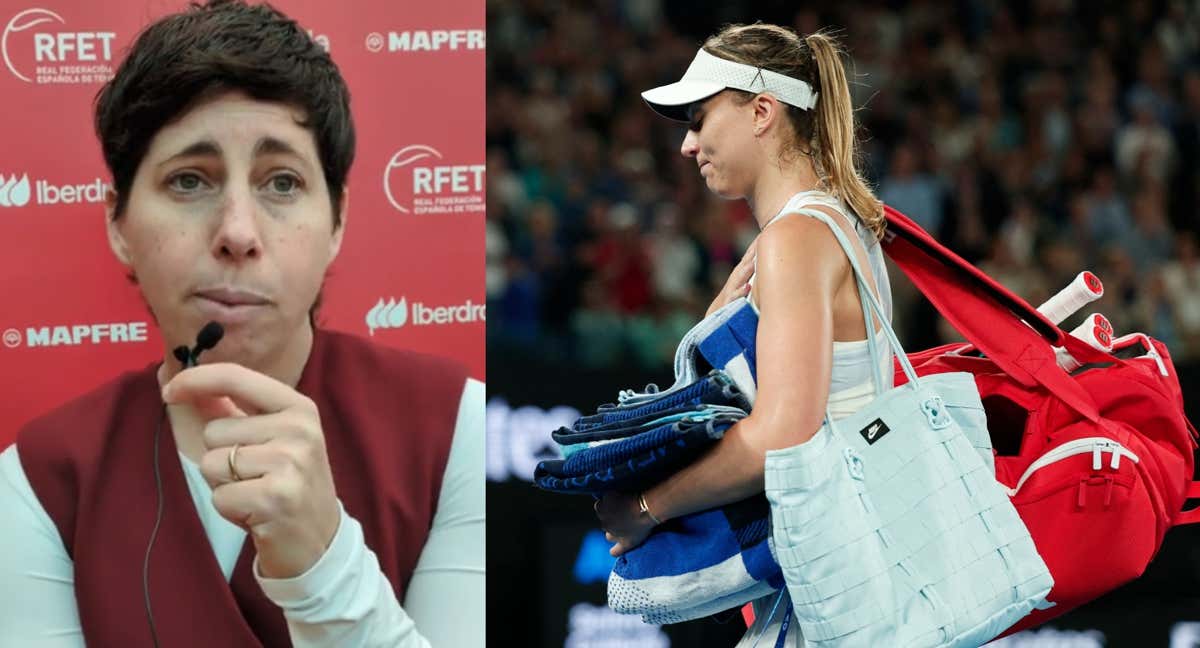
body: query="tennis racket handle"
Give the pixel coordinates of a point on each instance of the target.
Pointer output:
(1095, 336)
(1083, 290)
(1098, 319)
(1096, 333)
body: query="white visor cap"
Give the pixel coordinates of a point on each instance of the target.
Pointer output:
(708, 75)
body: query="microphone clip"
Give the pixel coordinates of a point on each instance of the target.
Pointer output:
(184, 356)
(206, 339)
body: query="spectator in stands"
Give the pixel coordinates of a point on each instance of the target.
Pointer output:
(1054, 106)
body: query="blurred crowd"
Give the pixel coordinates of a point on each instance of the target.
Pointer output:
(1036, 139)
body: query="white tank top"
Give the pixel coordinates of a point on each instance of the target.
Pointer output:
(851, 387)
(852, 383)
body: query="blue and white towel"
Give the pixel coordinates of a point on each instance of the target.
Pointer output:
(614, 421)
(738, 315)
(730, 346)
(708, 562)
(679, 419)
(637, 462)
(698, 565)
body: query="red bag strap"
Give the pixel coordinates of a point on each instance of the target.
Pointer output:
(903, 226)
(1192, 516)
(1005, 327)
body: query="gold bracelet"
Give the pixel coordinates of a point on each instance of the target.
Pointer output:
(646, 509)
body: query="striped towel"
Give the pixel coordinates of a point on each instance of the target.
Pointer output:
(700, 564)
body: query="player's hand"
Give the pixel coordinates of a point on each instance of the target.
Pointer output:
(623, 521)
(738, 283)
(285, 498)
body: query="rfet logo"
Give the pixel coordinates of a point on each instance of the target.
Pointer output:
(37, 48)
(418, 180)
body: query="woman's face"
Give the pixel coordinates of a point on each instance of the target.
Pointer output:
(229, 219)
(720, 137)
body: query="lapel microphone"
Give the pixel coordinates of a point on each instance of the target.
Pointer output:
(206, 339)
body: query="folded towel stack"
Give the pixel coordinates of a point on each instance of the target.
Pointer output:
(700, 564)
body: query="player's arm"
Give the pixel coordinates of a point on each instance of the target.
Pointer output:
(800, 266)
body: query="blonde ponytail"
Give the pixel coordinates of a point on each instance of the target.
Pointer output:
(835, 137)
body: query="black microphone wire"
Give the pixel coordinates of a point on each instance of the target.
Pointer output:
(157, 522)
(208, 338)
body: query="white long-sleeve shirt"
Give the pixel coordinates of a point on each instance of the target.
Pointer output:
(342, 600)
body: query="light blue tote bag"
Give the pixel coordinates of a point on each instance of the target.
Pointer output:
(890, 526)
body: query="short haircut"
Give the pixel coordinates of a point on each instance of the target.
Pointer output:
(215, 47)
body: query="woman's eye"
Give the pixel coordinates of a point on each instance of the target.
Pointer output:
(695, 126)
(284, 183)
(186, 182)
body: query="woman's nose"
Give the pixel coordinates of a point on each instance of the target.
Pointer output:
(238, 235)
(690, 146)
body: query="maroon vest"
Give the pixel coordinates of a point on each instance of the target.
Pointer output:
(388, 418)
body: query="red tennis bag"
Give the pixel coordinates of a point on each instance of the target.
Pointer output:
(1098, 461)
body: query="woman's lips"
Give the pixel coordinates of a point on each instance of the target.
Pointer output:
(230, 307)
(232, 297)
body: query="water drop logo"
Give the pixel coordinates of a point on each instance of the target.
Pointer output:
(389, 314)
(14, 192)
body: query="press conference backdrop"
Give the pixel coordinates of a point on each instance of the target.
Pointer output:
(411, 270)
(548, 562)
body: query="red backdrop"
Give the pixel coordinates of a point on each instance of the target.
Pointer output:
(411, 271)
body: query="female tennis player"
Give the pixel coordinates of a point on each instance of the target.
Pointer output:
(770, 122)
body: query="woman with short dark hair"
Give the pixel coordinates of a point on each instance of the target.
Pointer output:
(298, 484)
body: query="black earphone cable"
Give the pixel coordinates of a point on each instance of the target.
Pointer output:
(208, 337)
(205, 340)
(154, 533)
